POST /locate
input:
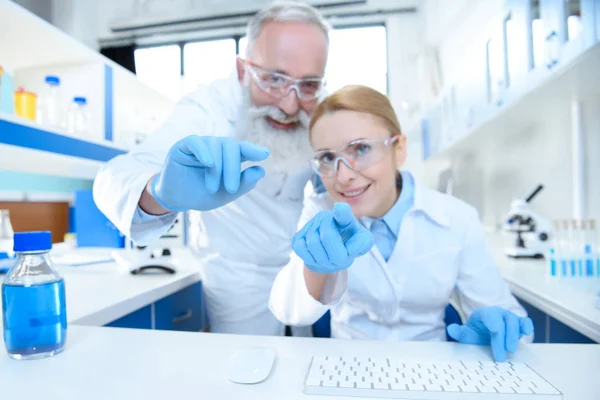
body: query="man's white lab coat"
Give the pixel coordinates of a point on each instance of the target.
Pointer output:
(241, 246)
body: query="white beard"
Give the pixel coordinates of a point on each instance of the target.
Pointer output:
(290, 149)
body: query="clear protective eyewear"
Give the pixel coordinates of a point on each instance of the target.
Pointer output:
(357, 155)
(279, 85)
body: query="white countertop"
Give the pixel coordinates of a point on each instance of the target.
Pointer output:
(570, 300)
(116, 292)
(114, 363)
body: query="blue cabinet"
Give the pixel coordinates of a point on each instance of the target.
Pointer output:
(539, 322)
(140, 319)
(551, 330)
(181, 311)
(561, 333)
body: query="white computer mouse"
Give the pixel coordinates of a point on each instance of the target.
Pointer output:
(251, 365)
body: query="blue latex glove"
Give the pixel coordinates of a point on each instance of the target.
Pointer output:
(204, 173)
(332, 240)
(493, 326)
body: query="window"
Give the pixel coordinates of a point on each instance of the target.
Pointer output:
(573, 19)
(160, 68)
(357, 56)
(205, 62)
(495, 61)
(243, 43)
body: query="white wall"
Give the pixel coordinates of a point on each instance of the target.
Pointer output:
(454, 25)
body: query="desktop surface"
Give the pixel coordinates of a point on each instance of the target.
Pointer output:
(115, 363)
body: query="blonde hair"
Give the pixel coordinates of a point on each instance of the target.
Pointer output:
(360, 99)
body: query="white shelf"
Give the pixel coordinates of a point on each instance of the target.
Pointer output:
(546, 96)
(31, 47)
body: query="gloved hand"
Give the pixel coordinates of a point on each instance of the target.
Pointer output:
(204, 173)
(332, 240)
(493, 325)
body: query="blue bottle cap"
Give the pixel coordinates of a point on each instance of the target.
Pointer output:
(80, 100)
(32, 241)
(588, 249)
(52, 80)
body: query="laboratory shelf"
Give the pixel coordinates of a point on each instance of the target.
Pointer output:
(27, 147)
(545, 96)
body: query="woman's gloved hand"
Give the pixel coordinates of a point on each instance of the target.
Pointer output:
(493, 326)
(332, 240)
(204, 173)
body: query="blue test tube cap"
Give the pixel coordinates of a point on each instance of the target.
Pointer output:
(52, 80)
(32, 241)
(588, 249)
(80, 100)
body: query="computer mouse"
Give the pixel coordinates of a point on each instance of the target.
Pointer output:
(152, 268)
(251, 365)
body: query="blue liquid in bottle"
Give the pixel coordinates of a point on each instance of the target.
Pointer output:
(34, 326)
(33, 301)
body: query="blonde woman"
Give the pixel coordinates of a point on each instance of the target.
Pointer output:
(383, 252)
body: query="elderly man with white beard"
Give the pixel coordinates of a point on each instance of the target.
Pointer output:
(235, 155)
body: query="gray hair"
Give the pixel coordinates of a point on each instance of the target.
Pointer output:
(284, 11)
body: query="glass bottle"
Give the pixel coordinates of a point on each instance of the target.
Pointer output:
(33, 300)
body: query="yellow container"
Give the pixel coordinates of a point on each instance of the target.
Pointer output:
(25, 104)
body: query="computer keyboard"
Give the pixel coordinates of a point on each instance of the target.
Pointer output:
(426, 379)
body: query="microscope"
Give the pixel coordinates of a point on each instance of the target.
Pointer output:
(531, 229)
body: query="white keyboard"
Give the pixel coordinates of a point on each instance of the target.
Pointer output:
(426, 379)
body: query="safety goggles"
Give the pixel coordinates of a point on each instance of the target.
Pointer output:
(279, 85)
(357, 155)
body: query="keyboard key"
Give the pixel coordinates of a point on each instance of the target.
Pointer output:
(380, 385)
(399, 386)
(451, 388)
(415, 387)
(433, 388)
(486, 389)
(313, 382)
(330, 383)
(363, 385)
(503, 389)
(347, 384)
(522, 390)
(468, 389)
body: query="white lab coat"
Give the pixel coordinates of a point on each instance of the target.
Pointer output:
(441, 249)
(241, 246)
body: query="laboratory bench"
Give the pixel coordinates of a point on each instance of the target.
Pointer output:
(110, 363)
(563, 309)
(162, 360)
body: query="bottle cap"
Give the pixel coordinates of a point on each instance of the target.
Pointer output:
(32, 241)
(52, 80)
(80, 100)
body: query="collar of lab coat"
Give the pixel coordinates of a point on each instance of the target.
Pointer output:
(429, 202)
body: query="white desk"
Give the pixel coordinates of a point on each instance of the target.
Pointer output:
(570, 300)
(99, 294)
(113, 363)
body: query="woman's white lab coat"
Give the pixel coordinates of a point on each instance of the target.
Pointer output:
(242, 245)
(441, 249)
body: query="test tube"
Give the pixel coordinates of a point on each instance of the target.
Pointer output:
(595, 246)
(554, 251)
(564, 248)
(589, 253)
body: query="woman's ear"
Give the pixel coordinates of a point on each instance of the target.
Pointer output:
(400, 151)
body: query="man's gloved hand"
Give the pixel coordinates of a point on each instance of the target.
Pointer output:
(204, 173)
(332, 240)
(493, 326)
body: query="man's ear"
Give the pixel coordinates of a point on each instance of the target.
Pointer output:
(241, 70)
